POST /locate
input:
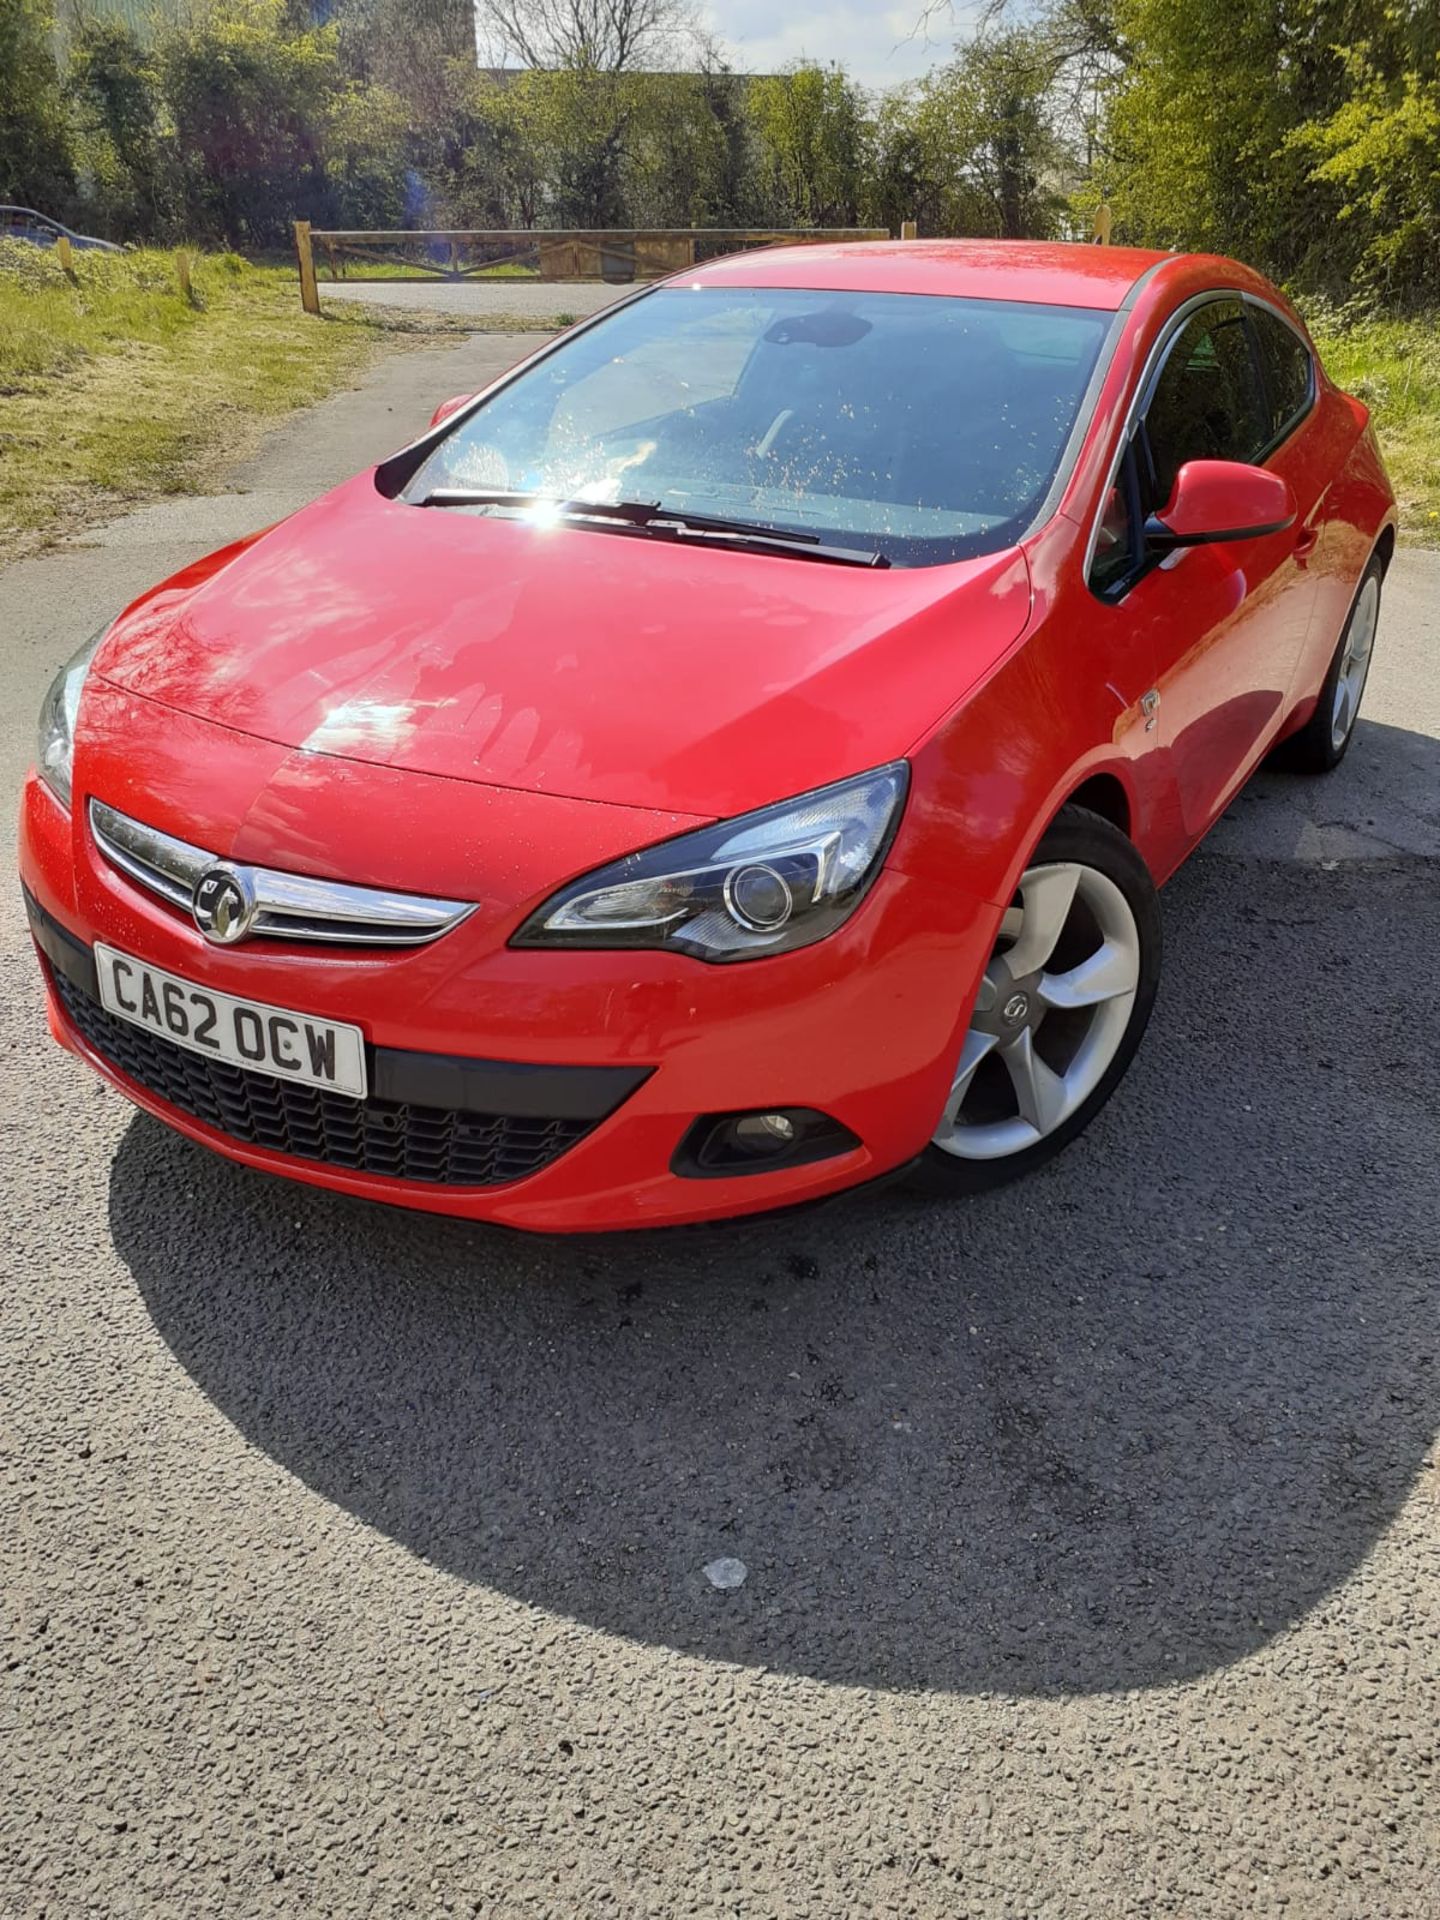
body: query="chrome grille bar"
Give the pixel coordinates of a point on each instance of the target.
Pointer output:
(289, 906)
(165, 865)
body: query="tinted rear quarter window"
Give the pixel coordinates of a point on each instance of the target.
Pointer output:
(1285, 363)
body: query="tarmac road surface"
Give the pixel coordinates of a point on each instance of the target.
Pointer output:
(353, 1561)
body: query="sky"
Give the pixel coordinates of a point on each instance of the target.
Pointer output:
(877, 42)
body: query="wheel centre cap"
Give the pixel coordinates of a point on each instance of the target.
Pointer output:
(1016, 1008)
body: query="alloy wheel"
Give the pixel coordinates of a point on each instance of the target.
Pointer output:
(1355, 661)
(1050, 1016)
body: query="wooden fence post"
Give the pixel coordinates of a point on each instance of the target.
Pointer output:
(908, 230)
(65, 254)
(309, 292)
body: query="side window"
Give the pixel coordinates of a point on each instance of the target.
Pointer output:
(1118, 537)
(1208, 403)
(1285, 364)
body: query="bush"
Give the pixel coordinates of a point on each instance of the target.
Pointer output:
(35, 167)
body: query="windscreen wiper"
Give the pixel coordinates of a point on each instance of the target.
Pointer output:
(638, 512)
(673, 523)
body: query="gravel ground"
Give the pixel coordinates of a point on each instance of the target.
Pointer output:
(353, 1561)
(490, 303)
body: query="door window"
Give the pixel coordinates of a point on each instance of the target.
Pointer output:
(1208, 403)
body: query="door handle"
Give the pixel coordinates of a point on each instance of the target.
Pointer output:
(1306, 541)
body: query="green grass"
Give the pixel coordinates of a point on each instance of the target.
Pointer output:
(1393, 365)
(350, 267)
(115, 386)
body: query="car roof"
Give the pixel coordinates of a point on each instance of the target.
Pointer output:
(1055, 273)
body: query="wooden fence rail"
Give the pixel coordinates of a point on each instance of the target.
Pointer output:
(617, 255)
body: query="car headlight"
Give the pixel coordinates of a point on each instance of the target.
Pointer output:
(764, 883)
(55, 748)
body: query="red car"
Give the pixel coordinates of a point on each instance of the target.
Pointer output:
(732, 758)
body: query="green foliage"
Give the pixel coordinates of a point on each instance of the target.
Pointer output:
(116, 117)
(1380, 148)
(810, 132)
(362, 148)
(250, 95)
(687, 161)
(34, 148)
(1197, 124)
(991, 154)
(1303, 135)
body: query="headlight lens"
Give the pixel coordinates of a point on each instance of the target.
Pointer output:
(764, 883)
(55, 747)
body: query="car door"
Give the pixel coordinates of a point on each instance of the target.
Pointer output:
(1224, 624)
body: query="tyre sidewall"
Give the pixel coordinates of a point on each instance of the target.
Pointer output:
(1312, 749)
(1084, 838)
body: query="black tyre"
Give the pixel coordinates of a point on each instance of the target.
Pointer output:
(1060, 1011)
(1324, 740)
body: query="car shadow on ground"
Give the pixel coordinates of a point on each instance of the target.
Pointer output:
(1111, 1427)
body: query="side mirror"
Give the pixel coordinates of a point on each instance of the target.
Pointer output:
(452, 405)
(1218, 500)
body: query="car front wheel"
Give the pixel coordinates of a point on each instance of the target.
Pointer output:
(1060, 1010)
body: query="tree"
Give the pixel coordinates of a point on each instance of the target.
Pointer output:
(582, 56)
(1301, 134)
(587, 36)
(35, 163)
(977, 147)
(363, 138)
(251, 95)
(113, 86)
(687, 162)
(1017, 158)
(1380, 149)
(811, 133)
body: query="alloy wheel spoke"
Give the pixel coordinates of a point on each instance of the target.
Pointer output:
(1344, 701)
(1039, 1090)
(977, 1045)
(1046, 896)
(1110, 971)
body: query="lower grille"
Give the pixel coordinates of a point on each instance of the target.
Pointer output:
(399, 1140)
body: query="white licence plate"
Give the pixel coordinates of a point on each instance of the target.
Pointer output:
(246, 1033)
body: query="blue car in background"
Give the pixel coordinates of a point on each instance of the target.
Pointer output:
(23, 223)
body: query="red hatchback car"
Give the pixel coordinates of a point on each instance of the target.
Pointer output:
(732, 758)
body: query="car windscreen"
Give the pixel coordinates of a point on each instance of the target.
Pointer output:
(924, 427)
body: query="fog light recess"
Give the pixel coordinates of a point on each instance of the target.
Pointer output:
(722, 1145)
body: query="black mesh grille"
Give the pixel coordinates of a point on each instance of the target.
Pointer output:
(406, 1142)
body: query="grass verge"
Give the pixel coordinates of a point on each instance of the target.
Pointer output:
(114, 386)
(1393, 365)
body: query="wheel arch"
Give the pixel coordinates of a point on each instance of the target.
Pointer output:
(1106, 790)
(1104, 793)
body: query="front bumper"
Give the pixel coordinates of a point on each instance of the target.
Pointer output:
(617, 1053)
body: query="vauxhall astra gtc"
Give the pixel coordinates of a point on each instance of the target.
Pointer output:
(730, 759)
